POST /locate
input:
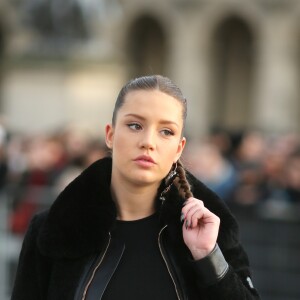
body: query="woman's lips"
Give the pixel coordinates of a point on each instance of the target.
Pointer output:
(144, 161)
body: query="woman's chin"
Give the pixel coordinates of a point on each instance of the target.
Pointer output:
(143, 179)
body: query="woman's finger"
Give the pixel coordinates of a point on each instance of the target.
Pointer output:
(190, 203)
(195, 211)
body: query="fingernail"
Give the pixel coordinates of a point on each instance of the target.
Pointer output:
(186, 224)
(182, 217)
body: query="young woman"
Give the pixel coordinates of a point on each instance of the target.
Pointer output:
(136, 225)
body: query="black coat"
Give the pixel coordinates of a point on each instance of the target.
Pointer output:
(60, 242)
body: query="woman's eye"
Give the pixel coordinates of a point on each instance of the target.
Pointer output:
(167, 132)
(134, 126)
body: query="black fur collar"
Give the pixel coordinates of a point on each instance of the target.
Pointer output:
(79, 220)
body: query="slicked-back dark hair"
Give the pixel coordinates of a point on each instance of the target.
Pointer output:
(148, 83)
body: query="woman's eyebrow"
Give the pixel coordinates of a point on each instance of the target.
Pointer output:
(135, 116)
(143, 119)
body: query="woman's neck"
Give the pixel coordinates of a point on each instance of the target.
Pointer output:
(133, 202)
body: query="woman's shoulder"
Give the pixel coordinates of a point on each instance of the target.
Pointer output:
(37, 222)
(33, 231)
(39, 218)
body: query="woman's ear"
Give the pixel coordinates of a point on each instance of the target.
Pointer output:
(109, 135)
(180, 148)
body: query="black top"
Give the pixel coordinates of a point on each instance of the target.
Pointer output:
(142, 273)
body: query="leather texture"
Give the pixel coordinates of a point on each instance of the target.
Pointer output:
(212, 268)
(106, 270)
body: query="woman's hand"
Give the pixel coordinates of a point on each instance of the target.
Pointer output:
(200, 228)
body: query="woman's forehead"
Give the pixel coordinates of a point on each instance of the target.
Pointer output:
(152, 98)
(152, 102)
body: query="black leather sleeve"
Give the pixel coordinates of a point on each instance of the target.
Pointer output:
(211, 268)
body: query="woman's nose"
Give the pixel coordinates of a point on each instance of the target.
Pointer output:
(148, 141)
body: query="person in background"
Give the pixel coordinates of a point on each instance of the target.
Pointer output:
(207, 163)
(248, 159)
(292, 177)
(136, 225)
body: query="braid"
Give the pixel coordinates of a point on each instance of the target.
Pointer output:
(181, 182)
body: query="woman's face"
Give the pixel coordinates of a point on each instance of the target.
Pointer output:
(146, 138)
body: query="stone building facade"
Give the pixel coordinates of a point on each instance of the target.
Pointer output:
(237, 61)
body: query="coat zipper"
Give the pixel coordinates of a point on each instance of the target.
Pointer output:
(165, 260)
(95, 269)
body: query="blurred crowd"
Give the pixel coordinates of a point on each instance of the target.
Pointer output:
(247, 169)
(250, 170)
(35, 168)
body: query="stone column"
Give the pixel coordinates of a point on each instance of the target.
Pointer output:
(276, 95)
(189, 68)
